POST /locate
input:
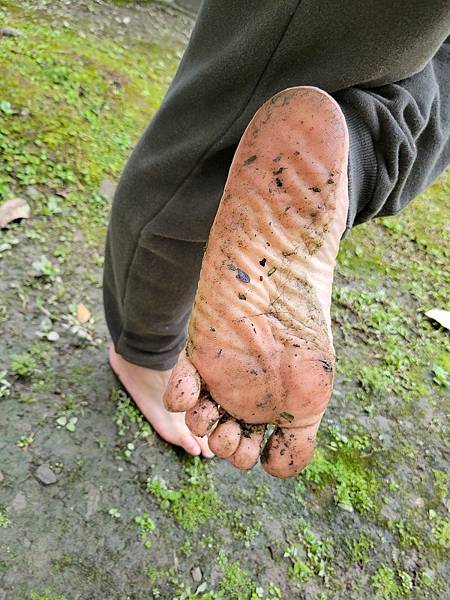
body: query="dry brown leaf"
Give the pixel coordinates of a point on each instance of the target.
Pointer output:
(12, 210)
(83, 313)
(440, 315)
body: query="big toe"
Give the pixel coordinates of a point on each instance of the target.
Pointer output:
(288, 451)
(183, 388)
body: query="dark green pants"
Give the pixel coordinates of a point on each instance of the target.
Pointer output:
(386, 63)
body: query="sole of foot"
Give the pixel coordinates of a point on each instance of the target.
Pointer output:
(260, 349)
(146, 387)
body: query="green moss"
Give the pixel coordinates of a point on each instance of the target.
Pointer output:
(242, 527)
(353, 485)
(387, 584)
(71, 110)
(146, 526)
(46, 595)
(442, 485)
(4, 519)
(23, 365)
(236, 583)
(193, 503)
(405, 534)
(440, 529)
(129, 420)
(311, 556)
(358, 549)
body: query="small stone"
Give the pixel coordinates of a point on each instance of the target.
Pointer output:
(11, 32)
(19, 503)
(45, 324)
(242, 275)
(92, 501)
(32, 192)
(196, 574)
(107, 189)
(45, 475)
(126, 20)
(52, 336)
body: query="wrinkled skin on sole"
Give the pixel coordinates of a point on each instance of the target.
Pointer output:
(260, 350)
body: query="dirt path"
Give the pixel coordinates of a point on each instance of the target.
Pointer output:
(93, 505)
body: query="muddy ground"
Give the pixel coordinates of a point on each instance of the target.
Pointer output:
(93, 505)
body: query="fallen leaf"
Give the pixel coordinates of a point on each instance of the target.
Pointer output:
(83, 314)
(439, 315)
(12, 210)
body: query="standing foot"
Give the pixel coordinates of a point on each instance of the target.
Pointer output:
(146, 387)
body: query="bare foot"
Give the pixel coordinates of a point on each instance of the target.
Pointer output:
(147, 387)
(260, 334)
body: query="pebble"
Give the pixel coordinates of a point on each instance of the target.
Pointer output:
(196, 574)
(45, 324)
(93, 501)
(45, 475)
(11, 32)
(52, 336)
(19, 503)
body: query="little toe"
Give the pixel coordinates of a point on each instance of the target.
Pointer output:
(190, 444)
(203, 416)
(247, 453)
(183, 388)
(288, 451)
(203, 442)
(225, 438)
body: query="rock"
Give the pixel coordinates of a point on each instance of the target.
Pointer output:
(2, 477)
(11, 32)
(45, 324)
(52, 336)
(93, 500)
(107, 189)
(196, 574)
(45, 475)
(19, 502)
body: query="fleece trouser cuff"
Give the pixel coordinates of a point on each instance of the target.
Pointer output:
(362, 164)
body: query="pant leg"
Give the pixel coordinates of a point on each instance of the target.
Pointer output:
(240, 54)
(157, 304)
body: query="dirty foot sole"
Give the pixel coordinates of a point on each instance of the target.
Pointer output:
(260, 350)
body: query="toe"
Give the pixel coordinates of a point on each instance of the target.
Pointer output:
(205, 448)
(183, 387)
(203, 416)
(288, 451)
(225, 438)
(190, 444)
(247, 453)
